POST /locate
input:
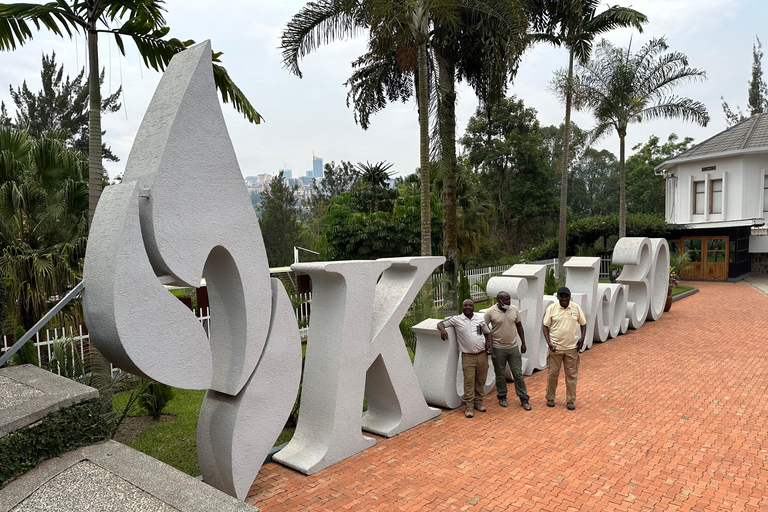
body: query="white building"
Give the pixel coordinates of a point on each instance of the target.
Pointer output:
(717, 202)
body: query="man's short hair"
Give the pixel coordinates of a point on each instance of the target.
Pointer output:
(563, 290)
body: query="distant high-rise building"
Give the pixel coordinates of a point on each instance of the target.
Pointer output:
(317, 167)
(287, 173)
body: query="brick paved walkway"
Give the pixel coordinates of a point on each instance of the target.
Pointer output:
(669, 417)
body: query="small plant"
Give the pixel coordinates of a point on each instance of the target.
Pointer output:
(614, 271)
(550, 283)
(27, 354)
(464, 290)
(155, 396)
(679, 262)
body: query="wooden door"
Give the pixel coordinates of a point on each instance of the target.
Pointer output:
(709, 258)
(716, 261)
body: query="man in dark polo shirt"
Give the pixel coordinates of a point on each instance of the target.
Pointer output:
(474, 339)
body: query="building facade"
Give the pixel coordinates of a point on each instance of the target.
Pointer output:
(716, 202)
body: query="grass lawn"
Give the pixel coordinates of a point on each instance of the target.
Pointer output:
(677, 290)
(175, 442)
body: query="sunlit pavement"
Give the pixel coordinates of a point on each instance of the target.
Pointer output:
(669, 417)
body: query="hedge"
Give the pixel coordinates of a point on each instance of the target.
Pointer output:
(585, 232)
(57, 433)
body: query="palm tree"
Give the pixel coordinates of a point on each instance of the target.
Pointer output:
(43, 220)
(397, 27)
(620, 87)
(142, 21)
(575, 25)
(484, 46)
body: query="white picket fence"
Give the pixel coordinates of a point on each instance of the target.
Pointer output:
(605, 265)
(79, 339)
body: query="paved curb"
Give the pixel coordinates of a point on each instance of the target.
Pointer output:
(685, 294)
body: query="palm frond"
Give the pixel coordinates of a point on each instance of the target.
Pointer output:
(320, 23)
(15, 21)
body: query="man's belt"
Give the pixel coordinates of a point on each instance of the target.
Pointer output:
(474, 353)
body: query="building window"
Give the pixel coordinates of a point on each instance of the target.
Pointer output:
(698, 197)
(765, 193)
(716, 196)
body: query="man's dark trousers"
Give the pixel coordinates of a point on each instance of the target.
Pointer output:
(500, 357)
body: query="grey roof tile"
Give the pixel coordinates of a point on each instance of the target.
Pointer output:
(749, 134)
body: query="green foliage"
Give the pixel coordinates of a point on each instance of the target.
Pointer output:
(588, 231)
(154, 396)
(175, 442)
(505, 147)
(550, 282)
(593, 184)
(66, 360)
(464, 291)
(27, 354)
(57, 433)
(350, 233)
(757, 100)
(62, 104)
(43, 221)
(679, 261)
(279, 224)
(645, 190)
(423, 307)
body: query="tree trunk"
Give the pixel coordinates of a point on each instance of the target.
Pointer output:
(564, 174)
(623, 187)
(447, 129)
(426, 212)
(95, 169)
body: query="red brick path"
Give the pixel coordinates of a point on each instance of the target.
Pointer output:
(669, 417)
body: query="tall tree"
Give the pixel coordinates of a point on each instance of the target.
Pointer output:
(621, 87)
(594, 184)
(757, 90)
(142, 21)
(757, 99)
(483, 45)
(279, 224)
(61, 104)
(575, 25)
(508, 152)
(645, 190)
(396, 30)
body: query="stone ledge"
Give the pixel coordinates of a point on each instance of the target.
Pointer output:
(101, 477)
(31, 392)
(685, 294)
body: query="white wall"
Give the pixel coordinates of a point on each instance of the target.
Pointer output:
(742, 189)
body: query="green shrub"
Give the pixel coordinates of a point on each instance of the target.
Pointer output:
(27, 354)
(154, 396)
(57, 433)
(550, 283)
(464, 290)
(587, 232)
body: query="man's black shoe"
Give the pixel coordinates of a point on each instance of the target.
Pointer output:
(526, 405)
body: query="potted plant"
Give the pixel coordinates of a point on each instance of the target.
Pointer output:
(678, 262)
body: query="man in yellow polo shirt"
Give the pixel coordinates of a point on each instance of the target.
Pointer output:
(561, 328)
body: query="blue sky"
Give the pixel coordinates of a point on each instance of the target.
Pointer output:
(310, 114)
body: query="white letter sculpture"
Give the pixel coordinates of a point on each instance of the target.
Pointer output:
(182, 213)
(646, 272)
(355, 350)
